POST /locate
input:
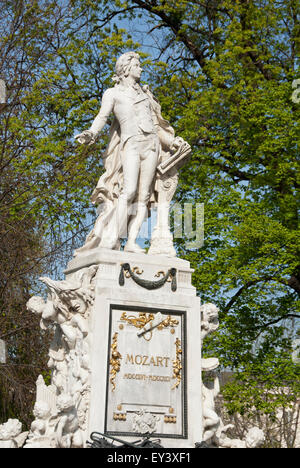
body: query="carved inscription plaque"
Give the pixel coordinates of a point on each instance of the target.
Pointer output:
(146, 372)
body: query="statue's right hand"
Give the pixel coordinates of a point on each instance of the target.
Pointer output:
(85, 138)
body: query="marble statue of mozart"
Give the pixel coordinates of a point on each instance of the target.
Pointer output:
(140, 140)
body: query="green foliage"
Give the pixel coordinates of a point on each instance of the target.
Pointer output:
(267, 385)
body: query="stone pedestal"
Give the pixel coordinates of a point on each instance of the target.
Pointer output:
(145, 348)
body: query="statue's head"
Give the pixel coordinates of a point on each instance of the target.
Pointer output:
(124, 65)
(78, 303)
(210, 313)
(64, 402)
(41, 410)
(255, 438)
(36, 305)
(12, 428)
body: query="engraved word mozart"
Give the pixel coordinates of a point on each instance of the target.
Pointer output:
(145, 360)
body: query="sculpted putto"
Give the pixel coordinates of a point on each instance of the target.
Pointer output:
(210, 319)
(254, 438)
(214, 431)
(140, 140)
(61, 408)
(11, 435)
(210, 382)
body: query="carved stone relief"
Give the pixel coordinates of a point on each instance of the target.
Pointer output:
(61, 408)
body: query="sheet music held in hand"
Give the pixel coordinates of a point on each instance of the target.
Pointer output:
(182, 153)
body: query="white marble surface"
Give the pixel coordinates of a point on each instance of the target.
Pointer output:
(141, 163)
(145, 381)
(108, 293)
(109, 264)
(89, 390)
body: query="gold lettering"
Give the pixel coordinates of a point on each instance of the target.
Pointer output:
(145, 361)
(152, 361)
(129, 358)
(157, 361)
(153, 378)
(138, 357)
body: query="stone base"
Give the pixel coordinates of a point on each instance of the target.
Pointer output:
(145, 348)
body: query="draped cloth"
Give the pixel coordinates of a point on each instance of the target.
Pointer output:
(110, 184)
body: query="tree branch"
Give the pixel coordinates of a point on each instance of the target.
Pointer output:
(198, 54)
(243, 288)
(273, 322)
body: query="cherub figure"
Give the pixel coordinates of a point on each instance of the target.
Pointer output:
(211, 421)
(68, 433)
(42, 413)
(255, 438)
(210, 387)
(210, 319)
(66, 305)
(9, 433)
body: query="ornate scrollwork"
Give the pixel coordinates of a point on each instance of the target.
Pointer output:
(168, 322)
(114, 361)
(135, 270)
(177, 364)
(144, 318)
(162, 273)
(137, 322)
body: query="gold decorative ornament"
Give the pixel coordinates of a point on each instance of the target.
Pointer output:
(143, 319)
(120, 416)
(138, 322)
(135, 270)
(177, 367)
(114, 361)
(170, 419)
(162, 273)
(168, 322)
